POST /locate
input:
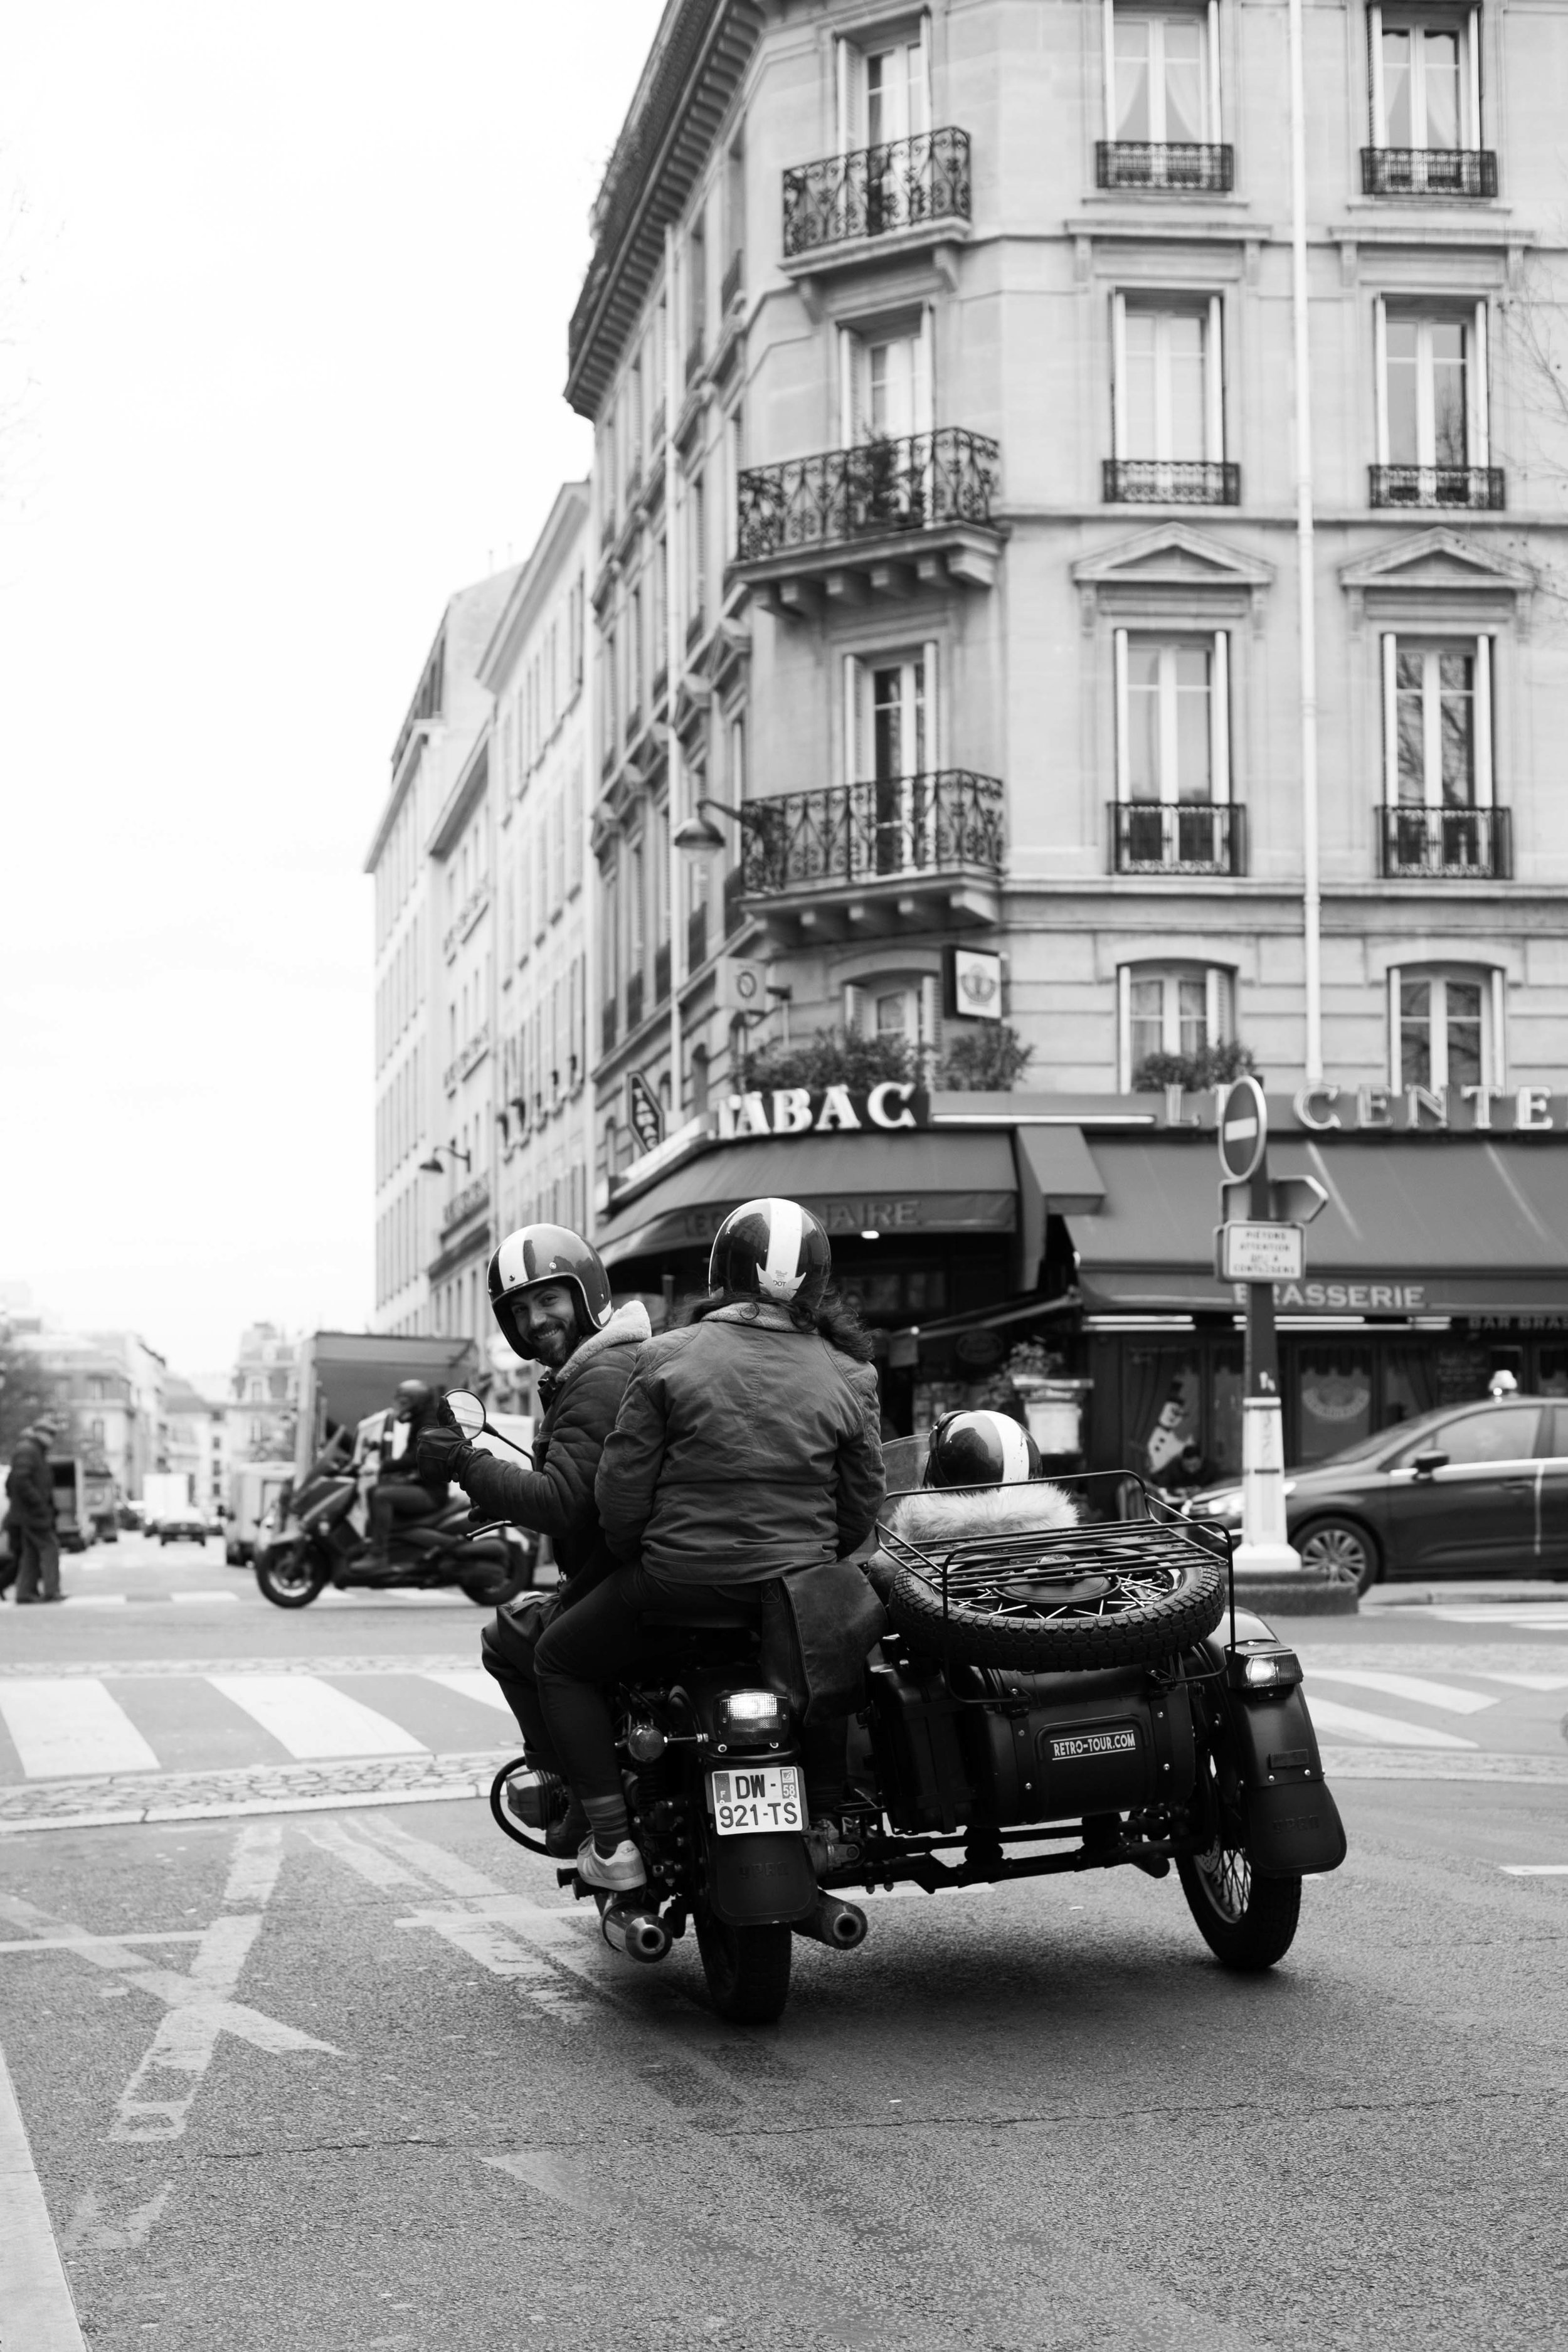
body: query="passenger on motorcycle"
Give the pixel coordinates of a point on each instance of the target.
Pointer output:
(405, 1490)
(748, 1443)
(550, 1297)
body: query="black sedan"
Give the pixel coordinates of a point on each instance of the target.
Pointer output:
(1468, 1490)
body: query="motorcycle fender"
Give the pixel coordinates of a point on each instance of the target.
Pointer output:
(1293, 1828)
(1274, 1740)
(755, 1882)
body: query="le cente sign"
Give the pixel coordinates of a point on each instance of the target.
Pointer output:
(780, 1111)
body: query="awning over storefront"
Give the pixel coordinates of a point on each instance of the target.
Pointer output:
(1435, 1226)
(906, 1183)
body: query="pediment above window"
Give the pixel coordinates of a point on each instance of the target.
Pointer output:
(1169, 572)
(1439, 577)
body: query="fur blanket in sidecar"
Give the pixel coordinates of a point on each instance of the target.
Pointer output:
(938, 1516)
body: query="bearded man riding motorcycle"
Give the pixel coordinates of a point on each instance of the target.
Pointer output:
(550, 1297)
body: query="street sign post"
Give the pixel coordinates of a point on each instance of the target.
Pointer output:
(1258, 1253)
(1255, 1245)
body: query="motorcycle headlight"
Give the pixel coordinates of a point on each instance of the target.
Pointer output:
(751, 1715)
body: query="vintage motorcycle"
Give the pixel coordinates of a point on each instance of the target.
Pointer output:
(321, 1536)
(1067, 1685)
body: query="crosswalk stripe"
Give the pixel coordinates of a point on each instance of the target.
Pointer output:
(1533, 1869)
(187, 1598)
(1327, 1715)
(62, 1728)
(1544, 1619)
(1529, 1682)
(1419, 1692)
(471, 1684)
(310, 1718)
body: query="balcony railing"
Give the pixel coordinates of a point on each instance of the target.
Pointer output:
(1171, 482)
(859, 833)
(1437, 486)
(1164, 164)
(661, 971)
(907, 484)
(1428, 172)
(697, 937)
(1182, 837)
(1445, 842)
(876, 190)
(634, 1001)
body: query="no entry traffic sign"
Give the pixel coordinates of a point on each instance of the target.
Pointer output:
(1242, 1131)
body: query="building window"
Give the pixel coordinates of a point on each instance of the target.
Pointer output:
(1425, 84)
(1172, 755)
(1168, 404)
(1438, 814)
(885, 383)
(884, 92)
(1433, 423)
(1161, 80)
(1176, 1009)
(1445, 1027)
(896, 1005)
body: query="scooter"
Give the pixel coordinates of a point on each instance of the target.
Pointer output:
(1068, 1685)
(322, 1538)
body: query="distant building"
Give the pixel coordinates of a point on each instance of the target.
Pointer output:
(263, 1397)
(430, 761)
(110, 1384)
(197, 1440)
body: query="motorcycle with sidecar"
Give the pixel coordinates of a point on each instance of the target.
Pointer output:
(1065, 1684)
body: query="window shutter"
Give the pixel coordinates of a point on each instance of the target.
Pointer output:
(1219, 717)
(1473, 61)
(931, 1013)
(1118, 373)
(842, 66)
(933, 749)
(1483, 710)
(855, 1003)
(1214, 1006)
(1123, 1028)
(1390, 720)
(924, 371)
(850, 364)
(1213, 130)
(1479, 416)
(1495, 1075)
(920, 96)
(1107, 39)
(1375, 67)
(1123, 756)
(852, 693)
(1213, 380)
(1380, 372)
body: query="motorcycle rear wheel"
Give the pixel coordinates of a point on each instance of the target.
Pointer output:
(290, 1578)
(1248, 1923)
(747, 1969)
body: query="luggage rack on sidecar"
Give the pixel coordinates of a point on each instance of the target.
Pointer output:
(1129, 1542)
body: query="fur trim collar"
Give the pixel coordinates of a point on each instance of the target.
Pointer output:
(937, 1514)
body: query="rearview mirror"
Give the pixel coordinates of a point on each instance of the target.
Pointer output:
(1424, 1464)
(465, 1410)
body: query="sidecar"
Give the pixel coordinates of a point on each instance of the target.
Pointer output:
(1069, 1685)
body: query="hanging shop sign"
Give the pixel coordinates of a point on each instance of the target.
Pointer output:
(779, 1112)
(644, 1114)
(972, 989)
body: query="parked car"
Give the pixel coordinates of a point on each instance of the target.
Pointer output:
(185, 1525)
(1467, 1490)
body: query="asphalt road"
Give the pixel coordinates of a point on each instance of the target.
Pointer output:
(356, 2077)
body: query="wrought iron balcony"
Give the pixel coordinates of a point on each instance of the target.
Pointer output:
(1171, 482)
(842, 495)
(897, 831)
(1180, 164)
(1181, 837)
(1428, 172)
(1437, 486)
(876, 190)
(1446, 844)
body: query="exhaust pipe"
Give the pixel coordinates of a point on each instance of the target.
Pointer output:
(641, 1934)
(842, 1924)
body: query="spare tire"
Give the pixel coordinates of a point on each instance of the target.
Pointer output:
(1134, 1615)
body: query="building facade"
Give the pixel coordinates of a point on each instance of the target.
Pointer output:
(433, 752)
(111, 1385)
(957, 588)
(535, 668)
(263, 1396)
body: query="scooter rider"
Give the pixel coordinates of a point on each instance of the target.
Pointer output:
(550, 1297)
(403, 1490)
(748, 1444)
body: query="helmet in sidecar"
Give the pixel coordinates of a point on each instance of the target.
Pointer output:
(981, 1448)
(533, 1256)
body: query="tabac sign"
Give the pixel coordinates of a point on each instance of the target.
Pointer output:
(779, 1112)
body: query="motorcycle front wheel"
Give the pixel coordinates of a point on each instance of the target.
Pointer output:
(1248, 1923)
(289, 1578)
(747, 1969)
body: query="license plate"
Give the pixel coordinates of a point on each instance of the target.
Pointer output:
(1068, 1747)
(748, 1802)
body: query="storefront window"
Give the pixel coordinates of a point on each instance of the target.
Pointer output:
(1406, 1388)
(1335, 1391)
(1161, 1401)
(1552, 1375)
(1224, 1448)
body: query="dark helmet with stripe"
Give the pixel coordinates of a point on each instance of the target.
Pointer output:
(413, 1397)
(981, 1448)
(534, 1255)
(771, 1250)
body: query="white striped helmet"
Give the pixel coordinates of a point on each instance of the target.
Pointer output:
(979, 1447)
(771, 1250)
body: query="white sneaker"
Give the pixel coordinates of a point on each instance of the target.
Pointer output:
(619, 1871)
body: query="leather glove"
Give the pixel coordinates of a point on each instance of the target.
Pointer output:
(443, 1453)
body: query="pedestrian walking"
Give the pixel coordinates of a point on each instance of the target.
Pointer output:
(30, 1517)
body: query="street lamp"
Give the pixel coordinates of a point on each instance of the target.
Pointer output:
(432, 1166)
(696, 832)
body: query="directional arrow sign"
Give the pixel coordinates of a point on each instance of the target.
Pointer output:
(1242, 1131)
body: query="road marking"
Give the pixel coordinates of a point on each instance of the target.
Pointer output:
(63, 1727)
(36, 2307)
(1534, 1869)
(253, 1869)
(1530, 1682)
(310, 1718)
(187, 1600)
(1430, 1764)
(446, 1869)
(1545, 1619)
(473, 1683)
(87, 2232)
(1413, 1688)
(1327, 1715)
(95, 1599)
(75, 1943)
(351, 1846)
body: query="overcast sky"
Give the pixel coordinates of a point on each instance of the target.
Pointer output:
(296, 285)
